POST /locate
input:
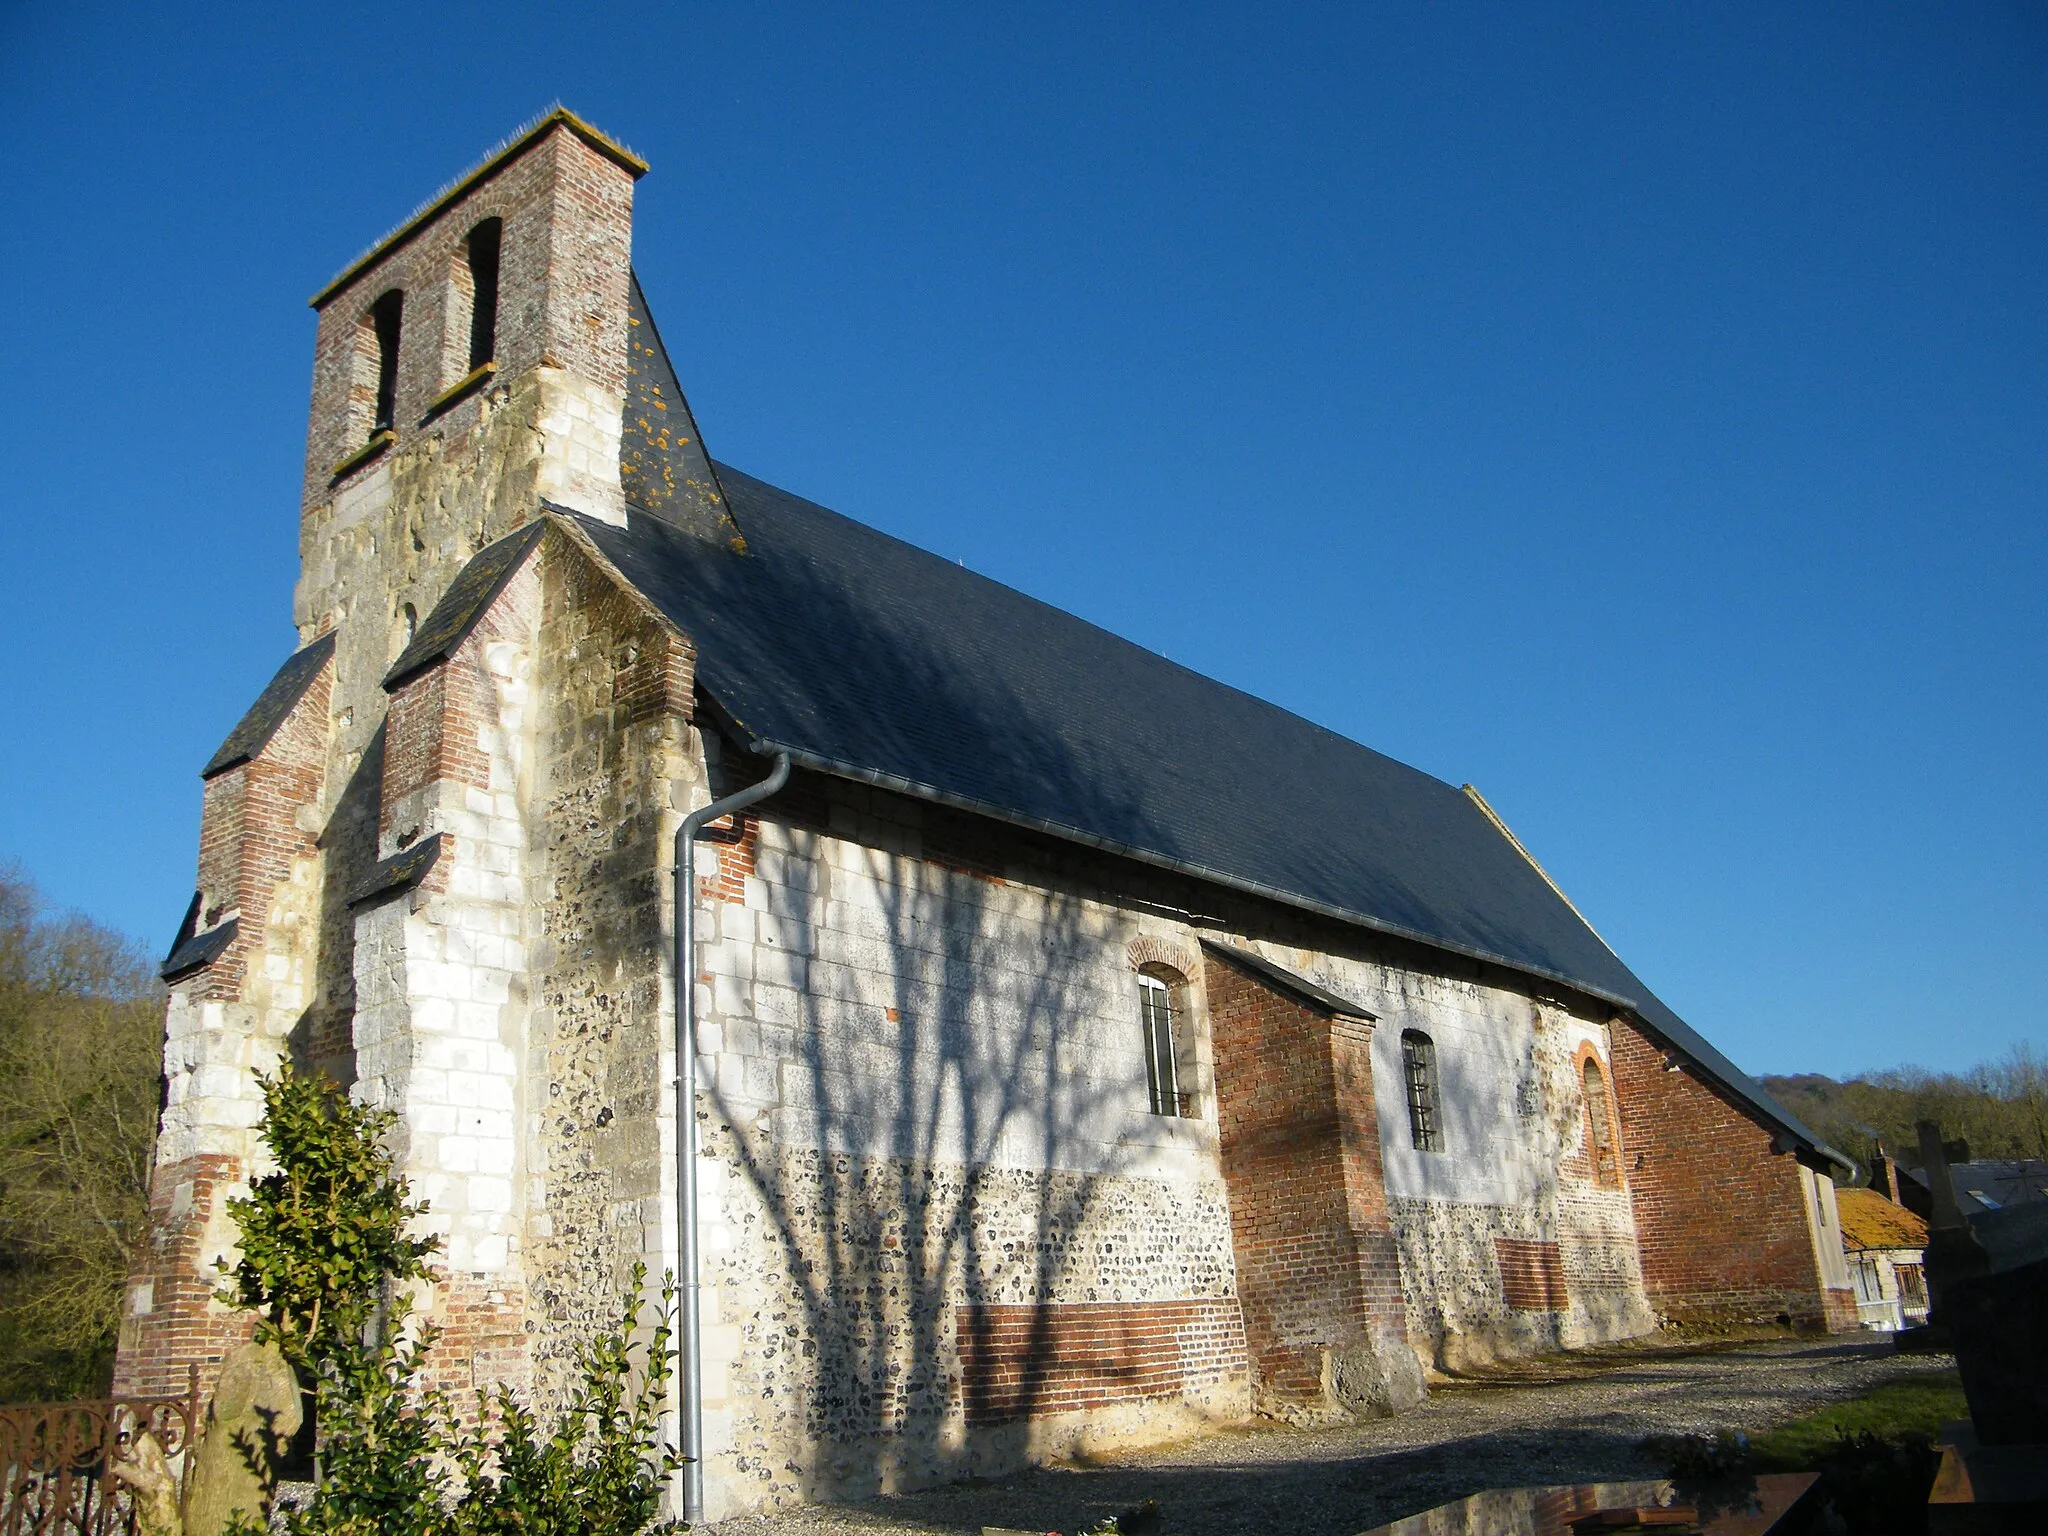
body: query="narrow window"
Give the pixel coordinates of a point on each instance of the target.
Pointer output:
(1162, 1058)
(384, 320)
(1600, 1128)
(1912, 1285)
(1425, 1111)
(483, 246)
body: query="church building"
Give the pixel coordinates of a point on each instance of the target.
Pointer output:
(1061, 1082)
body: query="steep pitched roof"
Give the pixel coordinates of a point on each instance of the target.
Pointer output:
(1869, 1220)
(1297, 986)
(865, 657)
(469, 596)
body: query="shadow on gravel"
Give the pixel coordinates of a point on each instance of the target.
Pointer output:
(1337, 1496)
(1639, 1363)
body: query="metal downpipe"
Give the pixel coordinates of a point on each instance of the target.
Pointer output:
(689, 1335)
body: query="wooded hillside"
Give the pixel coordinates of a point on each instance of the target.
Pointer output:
(80, 1072)
(2000, 1109)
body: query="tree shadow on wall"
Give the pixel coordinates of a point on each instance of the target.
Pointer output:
(925, 1085)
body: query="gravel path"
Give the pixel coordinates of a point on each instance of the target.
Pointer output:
(1575, 1418)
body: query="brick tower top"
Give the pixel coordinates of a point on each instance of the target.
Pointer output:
(524, 262)
(467, 367)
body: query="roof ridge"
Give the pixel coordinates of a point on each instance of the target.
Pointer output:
(1335, 735)
(1471, 792)
(496, 159)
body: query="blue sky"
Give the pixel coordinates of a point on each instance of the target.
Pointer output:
(1636, 410)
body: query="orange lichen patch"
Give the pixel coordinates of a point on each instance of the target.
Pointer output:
(1869, 1220)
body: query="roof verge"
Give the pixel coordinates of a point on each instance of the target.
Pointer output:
(468, 598)
(280, 696)
(1299, 987)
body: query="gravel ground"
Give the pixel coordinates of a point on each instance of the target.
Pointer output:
(1567, 1419)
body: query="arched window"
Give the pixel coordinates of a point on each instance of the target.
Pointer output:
(377, 360)
(482, 251)
(1600, 1137)
(1162, 1026)
(1425, 1102)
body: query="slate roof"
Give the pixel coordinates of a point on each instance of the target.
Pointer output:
(191, 952)
(475, 587)
(1989, 1184)
(1295, 985)
(401, 872)
(285, 688)
(865, 657)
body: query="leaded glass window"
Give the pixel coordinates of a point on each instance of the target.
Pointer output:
(1162, 1046)
(1425, 1110)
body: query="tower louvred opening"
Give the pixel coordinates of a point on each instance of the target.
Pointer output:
(383, 324)
(482, 249)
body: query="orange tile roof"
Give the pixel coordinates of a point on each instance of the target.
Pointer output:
(1869, 1220)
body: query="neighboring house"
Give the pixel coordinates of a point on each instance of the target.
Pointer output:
(1089, 1051)
(1886, 1245)
(1980, 1186)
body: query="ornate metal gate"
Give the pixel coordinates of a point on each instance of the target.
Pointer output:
(59, 1461)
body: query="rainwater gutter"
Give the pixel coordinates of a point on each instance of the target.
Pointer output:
(689, 1361)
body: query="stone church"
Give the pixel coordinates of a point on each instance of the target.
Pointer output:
(1086, 1051)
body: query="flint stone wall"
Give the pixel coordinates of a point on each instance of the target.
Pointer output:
(925, 1100)
(925, 1092)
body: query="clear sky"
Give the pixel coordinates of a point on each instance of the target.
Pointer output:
(1635, 410)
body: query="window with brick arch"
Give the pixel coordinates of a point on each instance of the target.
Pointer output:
(1600, 1137)
(1425, 1097)
(1160, 1015)
(373, 396)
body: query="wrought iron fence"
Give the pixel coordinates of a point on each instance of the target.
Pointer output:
(59, 1461)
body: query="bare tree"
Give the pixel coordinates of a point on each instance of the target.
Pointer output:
(2000, 1108)
(80, 1068)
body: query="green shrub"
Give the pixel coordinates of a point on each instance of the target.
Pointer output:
(325, 1259)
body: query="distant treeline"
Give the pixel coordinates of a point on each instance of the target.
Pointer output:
(81, 1055)
(1999, 1109)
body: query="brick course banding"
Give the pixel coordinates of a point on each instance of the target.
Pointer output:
(1531, 1275)
(1035, 1361)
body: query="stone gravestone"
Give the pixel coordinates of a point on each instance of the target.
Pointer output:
(141, 1465)
(255, 1413)
(1987, 1283)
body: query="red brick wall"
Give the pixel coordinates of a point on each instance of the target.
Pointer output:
(1719, 1215)
(1021, 1361)
(432, 730)
(1531, 1275)
(249, 836)
(562, 292)
(481, 1342)
(249, 832)
(731, 862)
(1316, 1260)
(181, 1325)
